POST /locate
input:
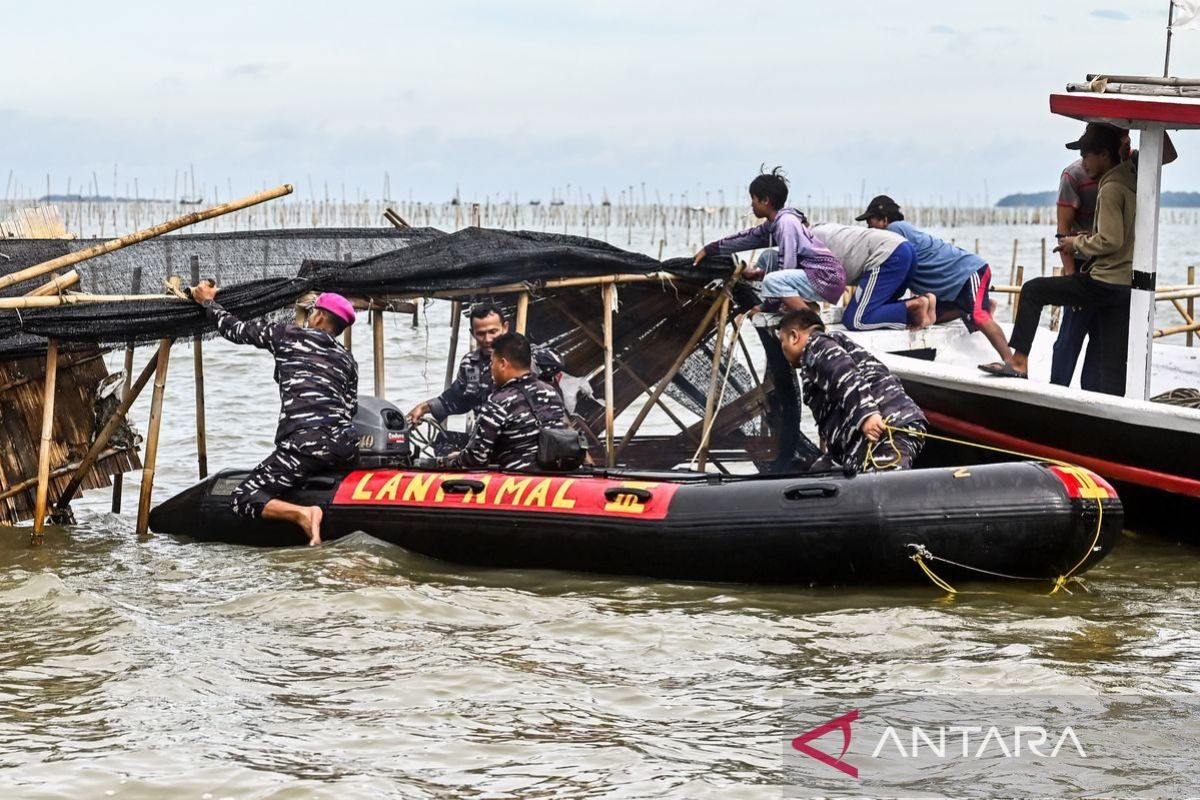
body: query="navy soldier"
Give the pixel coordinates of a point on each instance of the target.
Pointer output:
(474, 383)
(506, 430)
(318, 392)
(853, 397)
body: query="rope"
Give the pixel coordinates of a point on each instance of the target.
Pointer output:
(1062, 580)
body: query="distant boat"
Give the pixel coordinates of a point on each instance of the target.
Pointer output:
(535, 202)
(191, 201)
(556, 202)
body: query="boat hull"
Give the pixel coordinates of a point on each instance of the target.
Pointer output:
(1023, 520)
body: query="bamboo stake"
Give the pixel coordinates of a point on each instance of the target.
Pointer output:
(711, 400)
(522, 312)
(151, 457)
(119, 478)
(1016, 298)
(609, 417)
(1191, 278)
(661, 386)
(140, 236)
(377, 352)
(198, 370)
(95, 452)
(59, 283)
(43, 478)
(452, 356)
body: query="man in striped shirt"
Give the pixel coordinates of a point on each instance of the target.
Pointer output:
(507, 428)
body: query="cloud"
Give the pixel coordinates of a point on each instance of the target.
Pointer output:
(1108, 13)
(248, 71)
(944, 29)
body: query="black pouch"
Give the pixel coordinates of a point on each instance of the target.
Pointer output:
(559, 449)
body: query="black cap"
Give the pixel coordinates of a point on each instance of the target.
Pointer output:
(880, 206)
(1098, 136)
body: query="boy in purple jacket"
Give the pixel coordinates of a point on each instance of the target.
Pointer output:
(807, 271)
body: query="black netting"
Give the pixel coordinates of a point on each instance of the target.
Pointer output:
(261, 272)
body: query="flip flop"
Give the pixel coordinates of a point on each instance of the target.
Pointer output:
(1003, 370)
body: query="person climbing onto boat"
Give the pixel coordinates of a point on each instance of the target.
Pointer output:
(856, 401)
(473, 384)
(804, 271)
(318, 393)
(880, 263)
(509, 422)
(1076, 213)
(959, 280)
(1103, 284)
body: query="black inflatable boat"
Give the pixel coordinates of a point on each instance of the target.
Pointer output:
(1024, 519)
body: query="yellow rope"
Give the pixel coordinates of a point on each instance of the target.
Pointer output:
(1061, 581)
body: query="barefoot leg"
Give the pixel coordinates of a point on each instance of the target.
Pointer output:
(307, 518)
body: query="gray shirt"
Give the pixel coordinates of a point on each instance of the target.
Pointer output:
(858, 247)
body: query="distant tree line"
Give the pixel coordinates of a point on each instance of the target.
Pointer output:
(1038, 199)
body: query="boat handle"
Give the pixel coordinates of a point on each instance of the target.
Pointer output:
(611, 494)
(462, 486)
(806, 492)
(320, 482)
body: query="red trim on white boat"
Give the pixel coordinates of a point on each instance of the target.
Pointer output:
(1109, 469)
(1107, 106)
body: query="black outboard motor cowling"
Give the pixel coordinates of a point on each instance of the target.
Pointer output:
(383, 439)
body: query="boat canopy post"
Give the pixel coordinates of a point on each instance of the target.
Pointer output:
(1145, 252)
(452, 356)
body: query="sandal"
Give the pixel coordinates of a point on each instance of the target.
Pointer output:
(1002, 369)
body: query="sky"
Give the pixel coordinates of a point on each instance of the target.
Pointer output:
(932, 101)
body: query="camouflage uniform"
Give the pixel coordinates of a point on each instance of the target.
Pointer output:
(318, 392)
(474, 382)
(506, 430)
(843, 384)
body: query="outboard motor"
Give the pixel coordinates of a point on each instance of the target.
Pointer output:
(383, 435)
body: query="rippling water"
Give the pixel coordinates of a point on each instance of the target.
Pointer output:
(170, 669)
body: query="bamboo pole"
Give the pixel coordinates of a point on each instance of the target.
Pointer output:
(711, 400)
(119, 478)
(59, 283)
(1174, 329)
(43, 476)
(151, 457)
(1191, 279)
(48, 301)
(1016, 298)
(377, 353)
(452, 356)
(57, 472)
(607, 295)
(686, 350)
(71, 259)
(95, 452)
(522, 312)
(624, 365)
(198, 371)
(1012, 276)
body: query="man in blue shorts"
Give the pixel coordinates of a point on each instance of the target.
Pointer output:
(960, 280)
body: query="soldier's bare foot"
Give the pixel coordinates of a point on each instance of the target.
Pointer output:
(312, 524)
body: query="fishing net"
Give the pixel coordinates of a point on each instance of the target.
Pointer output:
(261, 272)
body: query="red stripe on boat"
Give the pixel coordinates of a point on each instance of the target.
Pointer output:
(1109, 469)
(497, 491)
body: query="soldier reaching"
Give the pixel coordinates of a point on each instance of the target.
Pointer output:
(318, 392)
(474, 384)
(506, 430)
(852, 396)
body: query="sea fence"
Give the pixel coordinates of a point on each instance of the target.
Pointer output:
(647, 227)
